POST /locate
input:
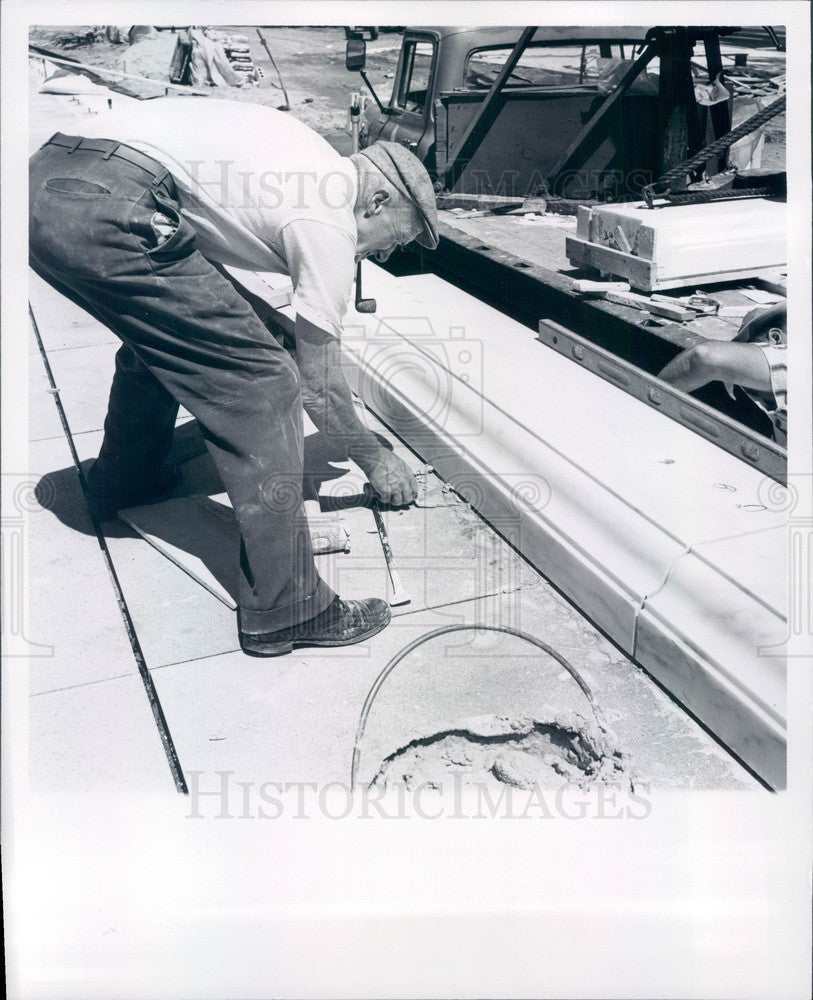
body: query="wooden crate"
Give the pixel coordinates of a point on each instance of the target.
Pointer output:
(679, 246)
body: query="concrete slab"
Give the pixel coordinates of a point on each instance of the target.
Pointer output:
(98, 737)
(73, 607)
(83, 377)
(461, 675)
(294, 718)
(446, 554)
(175, 618)
(62, 324)
(443, 554)
(286, 719)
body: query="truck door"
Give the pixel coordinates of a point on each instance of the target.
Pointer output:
(411, 124)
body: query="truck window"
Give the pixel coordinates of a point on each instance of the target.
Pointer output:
(544, 66)
(414, 83)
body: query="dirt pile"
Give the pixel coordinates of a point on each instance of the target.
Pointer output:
(492, 751)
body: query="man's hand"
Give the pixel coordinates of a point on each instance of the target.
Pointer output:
(392, 480)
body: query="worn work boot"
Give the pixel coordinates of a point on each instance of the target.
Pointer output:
(342, 623)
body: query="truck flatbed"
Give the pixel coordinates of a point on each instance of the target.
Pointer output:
(521, 269)
(537, 249)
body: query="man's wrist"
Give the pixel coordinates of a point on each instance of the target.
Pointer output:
(364, 449)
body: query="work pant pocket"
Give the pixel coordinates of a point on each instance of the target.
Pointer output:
(164, 235)
(78, 228)
(75, 186)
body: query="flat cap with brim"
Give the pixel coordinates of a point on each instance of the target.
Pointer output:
(406, 172)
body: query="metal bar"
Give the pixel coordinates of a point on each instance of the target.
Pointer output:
(273, 63)
(483, 120)
(720, 113)
(398, 593)
(370, 87)
(612, 99)
(747, 445)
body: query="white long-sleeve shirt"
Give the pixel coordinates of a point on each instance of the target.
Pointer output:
(263, 191)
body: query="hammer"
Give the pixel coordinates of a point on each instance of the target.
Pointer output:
(363, 305)
(398, 593)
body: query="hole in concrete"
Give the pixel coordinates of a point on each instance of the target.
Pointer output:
(496, 751)
(521, 263)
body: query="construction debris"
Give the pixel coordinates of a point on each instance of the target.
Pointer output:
(492, 751)
(211, 57)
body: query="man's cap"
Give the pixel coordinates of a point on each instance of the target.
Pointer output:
(406, 172)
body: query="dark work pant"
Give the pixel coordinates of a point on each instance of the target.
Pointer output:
(188, 337)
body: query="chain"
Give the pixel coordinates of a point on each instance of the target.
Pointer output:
(717, 147)
(693, 197)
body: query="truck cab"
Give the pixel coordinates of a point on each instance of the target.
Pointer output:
(570, 62)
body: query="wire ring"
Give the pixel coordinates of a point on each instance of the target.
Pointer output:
(445, 630)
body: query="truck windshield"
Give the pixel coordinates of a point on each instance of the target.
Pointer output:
(550, 66)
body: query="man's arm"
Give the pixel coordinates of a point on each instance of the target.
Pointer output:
(737, 363)
(328, 402)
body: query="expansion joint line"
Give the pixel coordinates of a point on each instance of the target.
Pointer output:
(141, 663)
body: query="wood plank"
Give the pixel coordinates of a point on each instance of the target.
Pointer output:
(640, 273)
(676, 313)
(496, 202)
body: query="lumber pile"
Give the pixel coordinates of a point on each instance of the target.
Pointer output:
(674, 246)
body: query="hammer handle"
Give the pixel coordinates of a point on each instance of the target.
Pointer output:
(399, 594)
